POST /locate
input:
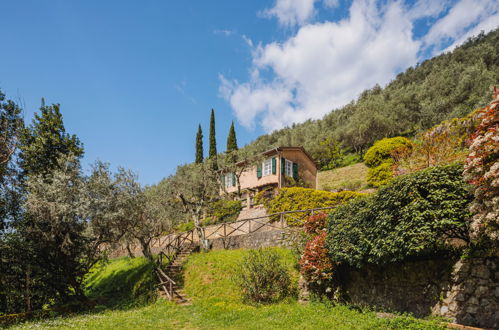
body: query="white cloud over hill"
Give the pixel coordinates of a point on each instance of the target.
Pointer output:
(327, 64)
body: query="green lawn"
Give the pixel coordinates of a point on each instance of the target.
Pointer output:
(351, 177)
(217, 304)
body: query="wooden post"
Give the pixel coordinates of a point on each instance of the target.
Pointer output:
(249, 226)
(225, 230)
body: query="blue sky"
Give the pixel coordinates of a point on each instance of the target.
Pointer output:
(134, 78)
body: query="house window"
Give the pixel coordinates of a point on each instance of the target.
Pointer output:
(288, 169)
(267, 167)
(229, 180)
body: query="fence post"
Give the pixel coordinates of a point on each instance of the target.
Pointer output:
(249, 226)
(225, 230)
(281, 220)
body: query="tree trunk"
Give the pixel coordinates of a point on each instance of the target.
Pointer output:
(203, 242)
(130, 253)
(146, 250)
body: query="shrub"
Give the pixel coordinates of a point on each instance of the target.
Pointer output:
(380, 158)
(380, 175)
(315, 224)
(482, 171)
(185, 226)
(296, 198)
(417, 214)
(383, 150)
(225, 210)
(262, 277)
(315, 264)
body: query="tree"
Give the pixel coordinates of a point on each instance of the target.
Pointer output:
(236, 162)
(55, 224)
(45, 140)
(199, 146)
(213, 141)
(195, 187)
(231, 139)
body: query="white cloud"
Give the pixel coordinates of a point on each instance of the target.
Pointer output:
(462, 16)
(326, 65)
(291, 12)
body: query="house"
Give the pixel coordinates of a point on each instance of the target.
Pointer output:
(281, 167)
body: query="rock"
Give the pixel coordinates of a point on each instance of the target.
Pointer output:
(444, 310)
(481, 271)
(472, 309)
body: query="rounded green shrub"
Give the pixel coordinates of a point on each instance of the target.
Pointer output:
(384, 149)
(225, 210)
(422, 213)
(380, 175)
(262, 277)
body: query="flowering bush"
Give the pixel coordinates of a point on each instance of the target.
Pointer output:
(315, 264)
(482, 171)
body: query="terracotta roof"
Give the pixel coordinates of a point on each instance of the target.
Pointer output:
(274, 150)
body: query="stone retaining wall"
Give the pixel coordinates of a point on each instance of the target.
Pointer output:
(465, 291)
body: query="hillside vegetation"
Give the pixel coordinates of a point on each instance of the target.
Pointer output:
(351, 177)
(217, 303)
(447, 86)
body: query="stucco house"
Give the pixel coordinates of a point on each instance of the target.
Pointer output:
(281, 167)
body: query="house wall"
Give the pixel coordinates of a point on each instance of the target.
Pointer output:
(249, 180)
(306, 168)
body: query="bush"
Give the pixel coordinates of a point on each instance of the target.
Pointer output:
(380, 175)
(185, 226)
(315, 224)
(296, 198)
(315, 264)
(417, 214)
(482, 171)
(384, 150)
(380, 159)
(225, 211)
(262, 277)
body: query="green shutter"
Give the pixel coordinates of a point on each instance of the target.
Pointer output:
(259, 171)
(283, 166)
(295, 171)
(233, 180)
(274, 165)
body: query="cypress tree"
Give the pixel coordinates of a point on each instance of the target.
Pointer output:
(213, 140)
(199, 145)
(231, 139)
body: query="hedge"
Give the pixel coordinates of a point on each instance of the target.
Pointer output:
(417, 214)
(297, 198)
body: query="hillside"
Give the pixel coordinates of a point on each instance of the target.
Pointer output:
(217, 303)
(446, 86)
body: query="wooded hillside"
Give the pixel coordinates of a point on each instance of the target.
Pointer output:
(449, 85)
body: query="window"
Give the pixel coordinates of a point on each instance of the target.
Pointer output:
(288, 169)
(267, 167)
(229, 180)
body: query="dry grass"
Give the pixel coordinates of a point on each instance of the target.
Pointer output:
(351, 177)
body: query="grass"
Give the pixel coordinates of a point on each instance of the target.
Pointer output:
(351, 177)
(217, 304)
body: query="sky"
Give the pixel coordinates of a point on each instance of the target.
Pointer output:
(135, 78)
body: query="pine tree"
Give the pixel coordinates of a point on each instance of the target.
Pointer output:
(231, 139)
(199, 145)
(45, 141)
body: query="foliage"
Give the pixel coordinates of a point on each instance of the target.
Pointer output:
(45, 140)
(352, 177)
(417, 214)
(199, 146)
(225, 210)
(262, 277)
(482, 171)
(121, 282)
(55, 225)
(185, 226)
(329, 154)
(444, 87)
(381, 156)
(315, 264)
(213, 139)
(381, 174)
(296, 198)
(231, 139)
(384, 149)
(11, 125)
(442, 144)
(315, 224)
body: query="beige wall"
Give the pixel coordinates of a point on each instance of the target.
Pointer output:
(306, 168)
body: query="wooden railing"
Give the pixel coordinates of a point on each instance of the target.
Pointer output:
(165, 282)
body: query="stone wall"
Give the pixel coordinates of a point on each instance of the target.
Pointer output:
(249, 241)
(464, 291)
